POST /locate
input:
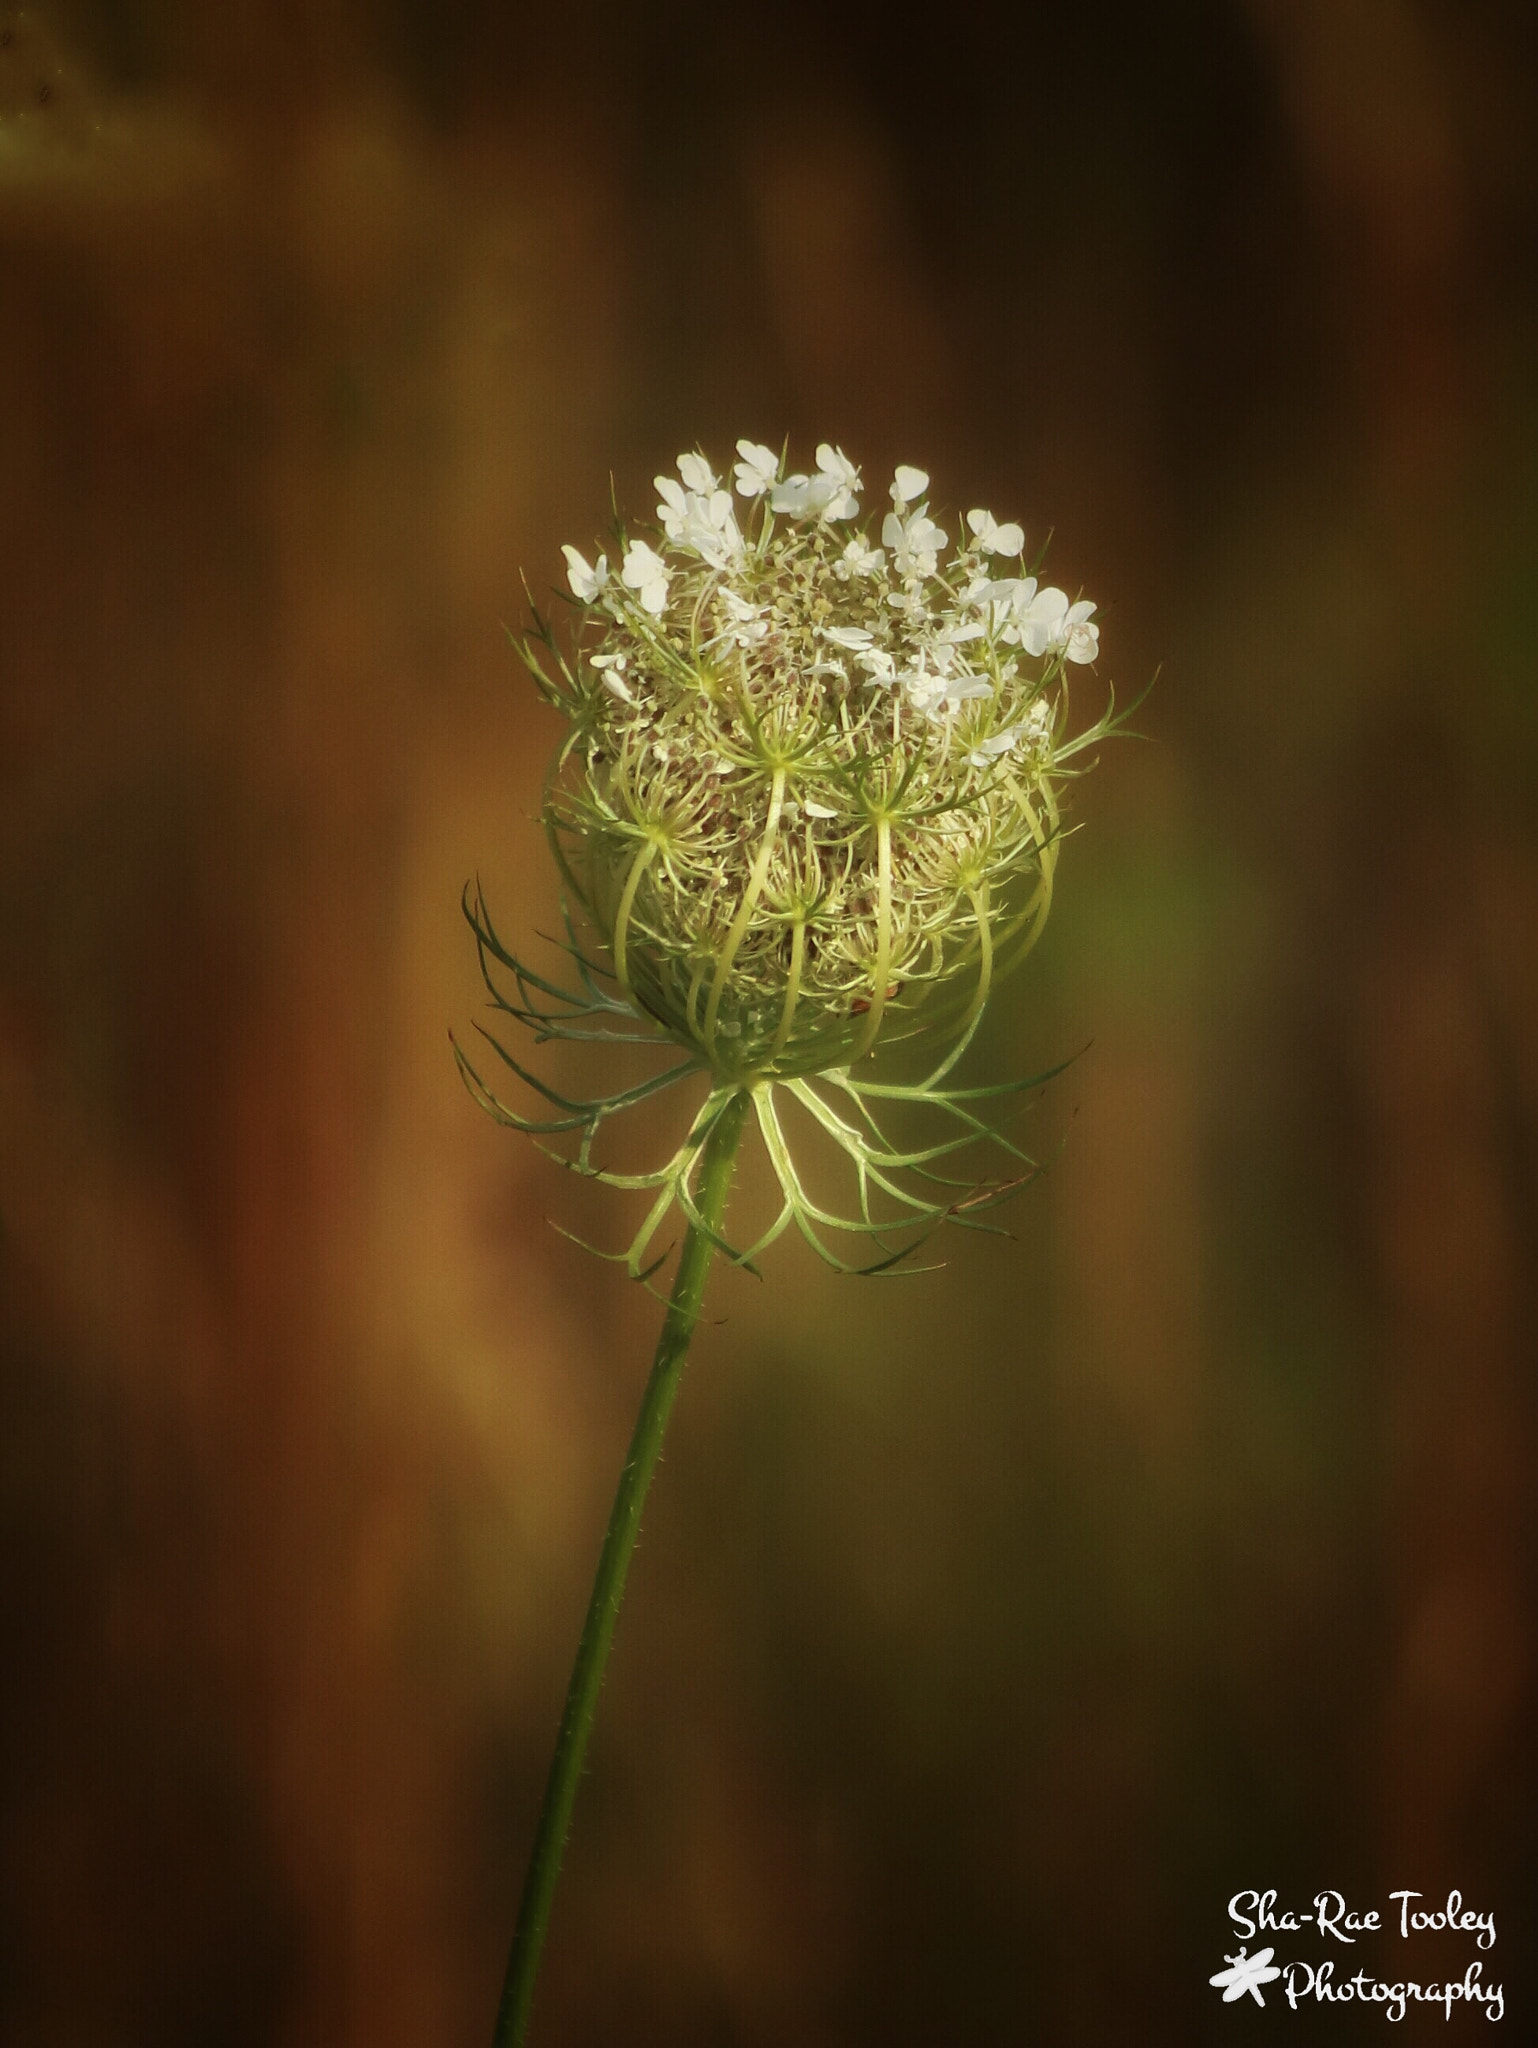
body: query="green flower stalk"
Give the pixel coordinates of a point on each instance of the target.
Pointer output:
(808, 804)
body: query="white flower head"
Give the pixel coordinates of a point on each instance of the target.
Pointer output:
(758, 471)
(645, 572)
(587, 580)
(890, 656)
(993, 539)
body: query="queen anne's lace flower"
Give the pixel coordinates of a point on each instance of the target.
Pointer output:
(810, 793)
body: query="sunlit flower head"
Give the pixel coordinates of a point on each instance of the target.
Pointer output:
(809, 796)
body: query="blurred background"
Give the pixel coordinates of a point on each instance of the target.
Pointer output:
(990, 1629)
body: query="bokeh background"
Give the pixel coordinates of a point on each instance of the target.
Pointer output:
(989, 1629)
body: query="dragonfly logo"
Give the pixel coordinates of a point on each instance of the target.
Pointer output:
(1245, 1973)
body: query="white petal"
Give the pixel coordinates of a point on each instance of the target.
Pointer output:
(586, 581)
(909, 483)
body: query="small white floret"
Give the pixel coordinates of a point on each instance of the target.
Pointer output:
(748, 624)
(991, 750)
(1080, 638)
(610, 667)
(859, 559)
(915, 542)
(994, 539)
(674, 509)
(586, 580)
(1041, 619)
(645, 572)
(908, 485)
(835, 468)
(758, 470)
(810, 497)
(697, 474)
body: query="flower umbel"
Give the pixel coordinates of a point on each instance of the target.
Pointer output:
(809, 802)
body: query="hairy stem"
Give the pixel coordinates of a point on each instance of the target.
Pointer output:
(609, 1585)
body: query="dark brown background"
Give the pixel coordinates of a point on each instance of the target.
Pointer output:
(990, 1629)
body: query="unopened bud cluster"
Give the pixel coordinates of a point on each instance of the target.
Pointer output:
(810, 794)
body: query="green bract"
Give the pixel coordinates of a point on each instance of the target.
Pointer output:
(808, 800)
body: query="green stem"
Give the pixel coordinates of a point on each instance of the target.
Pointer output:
(609, 1584)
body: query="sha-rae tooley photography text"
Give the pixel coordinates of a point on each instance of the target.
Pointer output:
(1335, 1980)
